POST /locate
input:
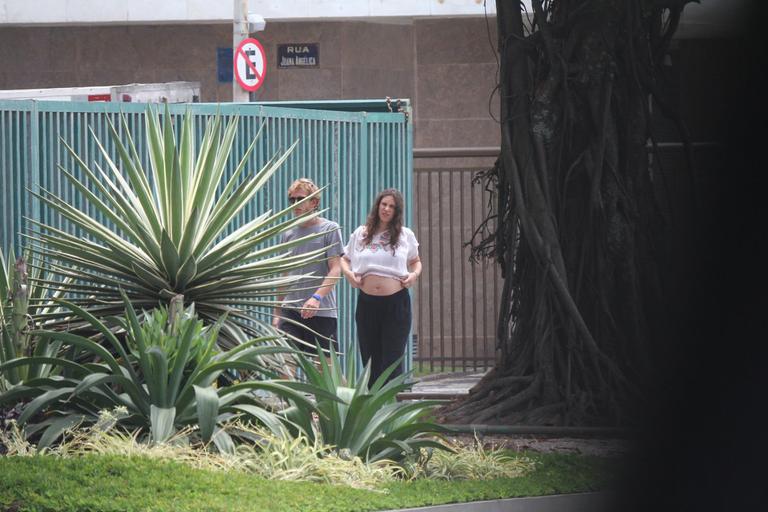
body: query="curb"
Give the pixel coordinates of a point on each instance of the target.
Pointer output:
(581, 502)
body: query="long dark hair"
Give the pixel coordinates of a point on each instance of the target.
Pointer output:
(395, 225)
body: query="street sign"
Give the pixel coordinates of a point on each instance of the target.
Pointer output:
(250, 64)
(298, 55)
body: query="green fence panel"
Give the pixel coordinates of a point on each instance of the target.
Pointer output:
(354, 153)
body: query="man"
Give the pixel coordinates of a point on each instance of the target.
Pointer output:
(313, 307)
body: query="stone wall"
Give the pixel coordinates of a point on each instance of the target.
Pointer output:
(445, 66)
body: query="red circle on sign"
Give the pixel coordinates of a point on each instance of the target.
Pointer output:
(246, 69)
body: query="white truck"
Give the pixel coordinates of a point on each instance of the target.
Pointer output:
(166, 92)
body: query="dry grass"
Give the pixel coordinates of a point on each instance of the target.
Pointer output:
(267, 456)
(16, 444)
(472, 462)
(271, 457)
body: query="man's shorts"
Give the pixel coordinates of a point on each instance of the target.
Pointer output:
(326, 327)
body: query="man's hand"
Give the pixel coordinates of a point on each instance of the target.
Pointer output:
(310, 308)
(276, 320)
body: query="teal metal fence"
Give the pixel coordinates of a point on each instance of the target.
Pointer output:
(354, 153)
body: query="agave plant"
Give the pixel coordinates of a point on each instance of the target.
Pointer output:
(14, 303)
(366, 422)
(20, 298)
(165, 379)
(165, 226)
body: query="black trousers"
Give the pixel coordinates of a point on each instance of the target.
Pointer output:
(325, 326)
(383, 324)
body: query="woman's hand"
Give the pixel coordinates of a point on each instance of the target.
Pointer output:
(346, 269)
(408, 280)
(354, 280)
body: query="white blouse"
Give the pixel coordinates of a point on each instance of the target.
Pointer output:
(376, 258)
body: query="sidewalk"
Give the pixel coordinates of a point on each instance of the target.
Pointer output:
(582, 502)
(449, 386)
(442, 386)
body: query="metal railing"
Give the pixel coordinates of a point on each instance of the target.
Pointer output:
(354, 153)
(456, 304)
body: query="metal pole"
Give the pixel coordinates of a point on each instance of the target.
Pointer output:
(239, 32)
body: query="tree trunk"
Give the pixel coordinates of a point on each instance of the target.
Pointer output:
(576, 223)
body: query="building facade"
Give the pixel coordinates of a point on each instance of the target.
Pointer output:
(439, 54)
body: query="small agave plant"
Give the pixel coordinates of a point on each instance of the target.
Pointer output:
(165, 226)
(14, 304)
(21, 299)
(363, 419)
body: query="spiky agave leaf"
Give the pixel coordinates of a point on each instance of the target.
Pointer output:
(164, 227)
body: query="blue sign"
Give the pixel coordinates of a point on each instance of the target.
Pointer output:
(224, 65)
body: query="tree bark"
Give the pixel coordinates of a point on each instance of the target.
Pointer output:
(576, 223)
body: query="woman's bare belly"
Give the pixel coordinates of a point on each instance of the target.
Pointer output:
(380, 285)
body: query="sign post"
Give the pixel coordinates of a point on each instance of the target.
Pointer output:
(250, 64)
(239, 32)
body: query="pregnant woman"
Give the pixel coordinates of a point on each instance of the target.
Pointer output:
(382, 261)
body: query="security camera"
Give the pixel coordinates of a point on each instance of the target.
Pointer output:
(256, 22)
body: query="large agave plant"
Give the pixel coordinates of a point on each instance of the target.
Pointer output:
(165, 226)
(163, 375)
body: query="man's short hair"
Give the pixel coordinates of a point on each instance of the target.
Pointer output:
(305, 186)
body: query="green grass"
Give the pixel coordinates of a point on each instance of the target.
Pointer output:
(108, 483)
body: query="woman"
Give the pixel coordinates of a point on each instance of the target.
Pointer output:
(382, 261)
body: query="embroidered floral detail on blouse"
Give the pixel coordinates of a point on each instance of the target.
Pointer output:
(383, 242)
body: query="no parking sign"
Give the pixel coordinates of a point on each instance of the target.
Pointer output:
(250, 64)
